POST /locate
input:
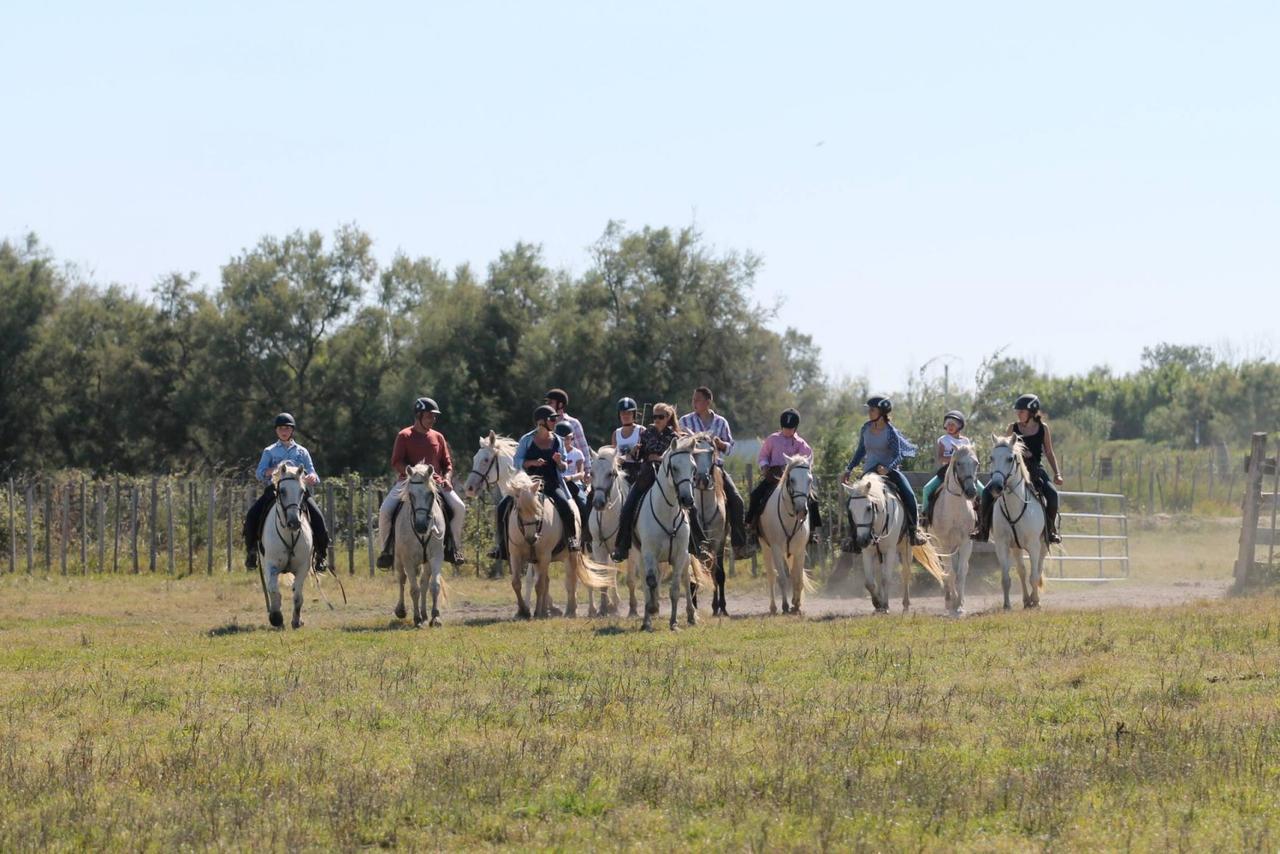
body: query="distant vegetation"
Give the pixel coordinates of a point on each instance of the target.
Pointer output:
(184, 376)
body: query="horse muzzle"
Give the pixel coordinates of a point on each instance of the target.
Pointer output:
(597, 500)
(970, 491)
(293, 522)
(861, 541)
(421, 522)
(702, 481)
(996, 484)
(686, 501)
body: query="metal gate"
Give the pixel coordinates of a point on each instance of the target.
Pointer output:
(1095, 530)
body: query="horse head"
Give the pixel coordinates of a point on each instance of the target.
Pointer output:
(604, 473)
(678, 461)
(798, 476)
(864, 501)
(704, 460)
(964, 468)
(1006, 462)
(287, 480)
(420, 493)
(488, 466)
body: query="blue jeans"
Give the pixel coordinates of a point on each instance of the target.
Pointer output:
(908, 496)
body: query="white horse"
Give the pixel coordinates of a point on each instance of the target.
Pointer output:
(608, 493)
(954, 518)
(535, 538)
(662, 530)
(285, 544)
(492, 468)
(419, 533)
(708, 482)
(878, 518)
(1017, 523)
(784, 532)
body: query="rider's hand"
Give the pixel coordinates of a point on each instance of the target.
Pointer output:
(882, 471)
(844, 478)
(311, 479)
(446, 486)
(1057, 478)
(556, 458)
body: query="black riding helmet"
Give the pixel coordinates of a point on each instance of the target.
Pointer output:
(425, 404)
(954, 415)
(879, 401)
(543, 413)
(790, 418)
(1029, 402)
(627, 404)
(563, 428)
(284, 419)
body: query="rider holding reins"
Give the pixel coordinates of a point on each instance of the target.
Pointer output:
(882, 449)
(772, 460)
(285, 449)
(703, 419)
(1038, 445)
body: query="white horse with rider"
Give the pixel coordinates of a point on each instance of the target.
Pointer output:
(492, 468)
(419, 544)
(285, 545)
(662, 529)
(954, 518)
(535, 540)
(879, 519)
(1018, 520)
(784, 533)
(609, 490)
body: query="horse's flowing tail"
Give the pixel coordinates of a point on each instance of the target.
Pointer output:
(699, 574)
(806, 580)
(444, 590)
(928, 557)
(595, 576)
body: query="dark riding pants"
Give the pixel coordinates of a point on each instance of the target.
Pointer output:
(253, 521)
(760, 496)
(1043, 484)
(644, 482)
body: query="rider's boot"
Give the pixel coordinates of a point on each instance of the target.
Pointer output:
(321, 562)
(251, 556)
(985, 511)
(914, 536)
(387, 559)
(1051, 531)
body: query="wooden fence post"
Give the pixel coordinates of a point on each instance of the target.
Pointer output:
(213, 496)
(168, 512)
(368, 527)
(1249, 506)
(64, 527)
(100, 513)
(231, 512)
(751, 484)
(133, 527)
(151, 534)
(191, 526)
(351, 528)
(31, 545)
(84, 531)
(115, 551)
(1177, 479)
(13, 531)
(333, 527)
(48, 528)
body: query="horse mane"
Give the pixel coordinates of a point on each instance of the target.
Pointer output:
(504, 445)
(281, 469)
(966, 450)
(871, 487)
(1016, 446)
(792, 460)
(524, 486)
(420, 468)
(610, 453)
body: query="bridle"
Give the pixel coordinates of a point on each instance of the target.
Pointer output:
(291, 542)
(793, 494)
(414, 510)
(536, 524)
(870, 525)
(484, 476)
(1011, 480)
(677, 521)
(953, 474)
(612, 495)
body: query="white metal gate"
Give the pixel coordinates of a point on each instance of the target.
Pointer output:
(1095, 530)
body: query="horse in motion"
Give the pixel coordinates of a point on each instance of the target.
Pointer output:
(954, 518)
(419, 549)
(492, 468)
(285, 544)
(535, 539)
(878, 518)
(708, 482)
(608, 493)
(662, 530)
(784, 533)
(1017, 521)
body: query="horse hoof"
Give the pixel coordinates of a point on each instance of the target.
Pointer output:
(277, 619)
(795, 612)
(633, 612)
(693, 619)
(297, 624)
(554, 612)
(400, 612)
(674, 627)
(435, 623)
(646, 627)
(571, 614)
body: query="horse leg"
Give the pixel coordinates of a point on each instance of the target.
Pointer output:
(436, 581)
(650, 589)
(797, 582)
(400, 573)
(718, 576)
(1022, 577)
(518, 577)
(299, 591)
(633, 572)
(679, 563)
(414, 572)
(571, 585)
(544, 588)
(1037, 574)
(1002, 555)
(961, 564)
(273, 595)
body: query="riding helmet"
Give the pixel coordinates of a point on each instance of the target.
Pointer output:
(790, 418)
(1029, 402)
(563, 428)
(627, 404)
(954, 415)
(879, 401)
(425, 404)
(284, 419)
(558, 395)
(543, 413)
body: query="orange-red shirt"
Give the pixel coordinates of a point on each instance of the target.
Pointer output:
(413, 447)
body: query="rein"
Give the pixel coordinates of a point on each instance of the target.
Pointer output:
(677, 521)
(799, 520)
(871, 525)
(612, 495)
(290, 543)
(1004, 498)
(414, 510)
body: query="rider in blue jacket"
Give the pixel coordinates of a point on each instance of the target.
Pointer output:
(882, 449)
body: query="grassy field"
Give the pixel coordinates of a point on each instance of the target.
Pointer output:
(154, 713)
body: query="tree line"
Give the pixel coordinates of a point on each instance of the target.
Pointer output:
(187, 377)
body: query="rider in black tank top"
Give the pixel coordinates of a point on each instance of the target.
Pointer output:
(1035, 443)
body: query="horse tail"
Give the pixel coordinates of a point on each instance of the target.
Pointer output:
(595, 576)
(928, 557)
(806, 580)
(699, 574)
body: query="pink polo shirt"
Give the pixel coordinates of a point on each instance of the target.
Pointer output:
(777, 448)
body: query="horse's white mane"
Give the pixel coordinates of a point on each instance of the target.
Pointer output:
(523, 482)
(792, 460)
(504, 445)
(871, 487)
(608, 452)
(285, 467)
(414, 471)
(1016, 446)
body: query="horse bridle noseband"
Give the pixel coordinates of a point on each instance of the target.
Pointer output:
(414, 510)
(871, 525)
(793, 495)
(1004, 497)
(953, 474)
(292, 543)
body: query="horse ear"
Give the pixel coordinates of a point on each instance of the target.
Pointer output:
(848, 490)
(407, 471)
(994, 438)
(493, 438)
(430, 471)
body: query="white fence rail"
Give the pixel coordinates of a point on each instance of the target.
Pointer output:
(1095, 530)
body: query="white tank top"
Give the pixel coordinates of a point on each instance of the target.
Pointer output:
(950, 443)
(624, 443)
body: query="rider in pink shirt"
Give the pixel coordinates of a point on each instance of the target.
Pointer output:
(772, 460)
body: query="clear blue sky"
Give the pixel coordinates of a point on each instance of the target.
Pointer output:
(1077, 180)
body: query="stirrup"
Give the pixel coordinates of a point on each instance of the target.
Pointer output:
(321, 565)
(386, 560)
(619, 556)
(573, 544)
(251, 559)
(453, 556)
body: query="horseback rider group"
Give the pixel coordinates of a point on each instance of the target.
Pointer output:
(556, 452)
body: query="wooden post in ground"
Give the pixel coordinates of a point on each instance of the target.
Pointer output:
(100, 526)
(231, 512)
(213, 496)
(48, 528)
(115, 524)
(1275, 500)
(351, 529)
(1177, 479)
(84, 531)
(31, 544)
(64, 528)
(1191, 502)
(13, 531)
(368, 527)
(168, 512)
(191, 526)
(133, 527)
(1249, 507)
(333, 527)
(152, 519)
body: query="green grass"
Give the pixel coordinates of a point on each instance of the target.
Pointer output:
(152, 713)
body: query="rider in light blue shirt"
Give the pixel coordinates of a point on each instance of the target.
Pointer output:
(285, 450)
(280, 452)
